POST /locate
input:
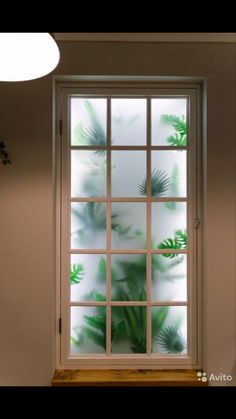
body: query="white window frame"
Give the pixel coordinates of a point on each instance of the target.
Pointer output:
(89, 86)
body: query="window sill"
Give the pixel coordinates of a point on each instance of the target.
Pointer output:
(126, 378)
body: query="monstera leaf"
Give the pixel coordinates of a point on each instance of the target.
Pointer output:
(179, 138)
(178, 242)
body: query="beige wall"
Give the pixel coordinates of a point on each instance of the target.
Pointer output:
(27, 283)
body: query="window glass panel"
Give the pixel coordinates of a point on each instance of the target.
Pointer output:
(128, 329)
(88, 330)
(169, 122)
(88, 122)
(128, 274)
(114, 130)
(128, 121)
(88, 173)
(128, 225)
(88, 277)
(169, 173)
(88, 225)
(169, 225)
(169, 278)
(128, 172)
(169, 330)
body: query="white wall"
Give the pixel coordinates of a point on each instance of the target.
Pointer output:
(27, 283)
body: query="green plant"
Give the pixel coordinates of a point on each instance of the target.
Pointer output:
(179, 139)
(132, 282)
(96, 176)
(160, 183)
(76, 274)
(171, 340)
(129, 285)
(4, 155)
(164, 265)
(95, 326)
(92, 215)
(95, 329)
(94, 135)
(179, 242)
(174, 187)
(133, 321)
(102, 270)
(128, 323)
(134, 317)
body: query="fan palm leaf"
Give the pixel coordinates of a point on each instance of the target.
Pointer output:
(94, 135)
(160, 183)
(171, 340)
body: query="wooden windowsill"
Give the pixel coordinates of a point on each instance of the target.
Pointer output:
(126, 378)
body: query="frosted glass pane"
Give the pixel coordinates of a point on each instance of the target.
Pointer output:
(88, 225)
(128, 121)
(169, 173)
(88, 122)
(88, 173)
(128, 273)
(169, 330)
(129, 330)
(167, 221)
(128, 225)
(169, 122)
(128, 171)
(169, 278)
(88, 277)
(88, 330)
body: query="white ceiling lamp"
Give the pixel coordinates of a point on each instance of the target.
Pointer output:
(27, 56)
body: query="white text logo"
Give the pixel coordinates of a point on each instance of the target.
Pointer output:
(202, 376)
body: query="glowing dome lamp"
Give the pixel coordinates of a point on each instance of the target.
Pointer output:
(27, 56)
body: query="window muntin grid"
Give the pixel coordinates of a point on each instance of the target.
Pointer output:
(148, 251)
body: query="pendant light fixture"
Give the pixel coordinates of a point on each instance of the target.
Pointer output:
(27, 56)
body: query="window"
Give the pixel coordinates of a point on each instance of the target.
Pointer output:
(127, 221)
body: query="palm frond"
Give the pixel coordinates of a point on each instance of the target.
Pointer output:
(96, 329)
(118, 331)
(179, 242)
(138, 346)
(160, 183)
(158, 318)
(92, 215)
(77, 273)
(135, 320)
(97, 338)
(94, 135)
(174, 188)
(179, 138)
(171, 340)
(98, 297)
(97, 322)
(102, 269)
(122, 231)
(131, 280)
